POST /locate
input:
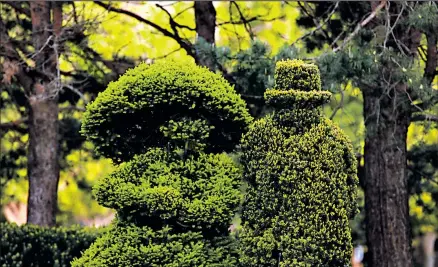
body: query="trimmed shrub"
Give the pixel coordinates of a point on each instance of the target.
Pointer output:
(174, 199)
(31, 245)
(125, 119)
(301, 175)
(129, 244)
(199, 192)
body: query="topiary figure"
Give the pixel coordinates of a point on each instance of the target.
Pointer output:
(174, 201)
(301, 175)
(125, 119)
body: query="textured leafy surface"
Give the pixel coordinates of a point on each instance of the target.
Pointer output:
(125, 119)
(174, 201)
(38, 246)
(301, 174)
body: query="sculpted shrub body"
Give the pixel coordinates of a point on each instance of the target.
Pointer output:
(301, 175)
(174, 193)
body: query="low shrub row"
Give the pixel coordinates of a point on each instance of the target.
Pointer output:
(31, 245)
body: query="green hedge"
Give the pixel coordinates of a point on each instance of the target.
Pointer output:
(31, 245)
(131, 245)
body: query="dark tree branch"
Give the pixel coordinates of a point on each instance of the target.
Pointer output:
(172, 22)
(320, 25)
(183, 43)
(433, 100)
(17, 6)
(362, 24)
(424, 117)
(245, 22)
(315, 22)
(18, 126)
(431, 58)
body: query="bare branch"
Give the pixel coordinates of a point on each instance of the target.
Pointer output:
(361, 25)
(244, 20)
(14, 125)
(424, 117)
(172, 22)
(319, 26)
(183, 43)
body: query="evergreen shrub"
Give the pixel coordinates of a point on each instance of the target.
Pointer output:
(31, 245)
(124, 120)
(174, 194)
(301, 175)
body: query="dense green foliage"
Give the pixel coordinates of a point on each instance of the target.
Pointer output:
(174, 201)
(199, 192)
(301, 174)
(38, 246)
(129, 244)
(125, 119)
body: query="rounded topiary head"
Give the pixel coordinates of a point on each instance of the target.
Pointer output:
(134, 113)
(297, 85)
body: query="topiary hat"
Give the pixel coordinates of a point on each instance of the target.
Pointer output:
(297, 85)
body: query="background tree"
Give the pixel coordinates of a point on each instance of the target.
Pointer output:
(39, 42)
(41, 87)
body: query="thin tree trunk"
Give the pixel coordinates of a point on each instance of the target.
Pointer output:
(43, 151)
(386, 192)
(205, 18)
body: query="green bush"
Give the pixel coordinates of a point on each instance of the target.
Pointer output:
(174, 199)
(199, 192)
(129, 244)
(301, 175)
(30, 245)
(125, 119)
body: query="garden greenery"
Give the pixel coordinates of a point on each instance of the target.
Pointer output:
(175, 191)
(31, 245)
(301, 175)
(125, 119)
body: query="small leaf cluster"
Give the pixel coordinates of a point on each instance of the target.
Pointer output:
(187, 134)
(125, 119)
(301, 175)
(31, 245)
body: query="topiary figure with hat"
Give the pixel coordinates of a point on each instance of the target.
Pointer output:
(175, 191)
(301, 175)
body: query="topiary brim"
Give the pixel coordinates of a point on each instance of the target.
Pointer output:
(296, 98)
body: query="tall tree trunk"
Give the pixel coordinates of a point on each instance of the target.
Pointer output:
(386, 192)
(43, 151)
(205, 17)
